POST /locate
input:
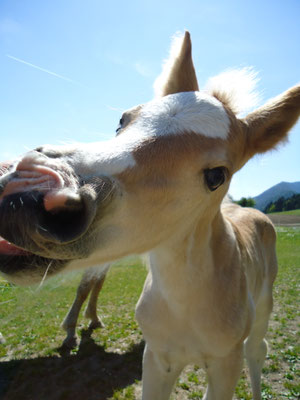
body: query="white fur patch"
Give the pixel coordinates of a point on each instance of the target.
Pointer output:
(110, 157)
(183, 112)
(238, 86)
(171, 115)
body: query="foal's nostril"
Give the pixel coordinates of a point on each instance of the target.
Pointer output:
(63, 225)
(66, 215)
(25, 222)
(37, 221)
(64, 218)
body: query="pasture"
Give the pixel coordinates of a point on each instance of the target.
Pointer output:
(291, 212)
(107, 363)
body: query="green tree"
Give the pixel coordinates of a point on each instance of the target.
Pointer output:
(282, 204)
(246, 202)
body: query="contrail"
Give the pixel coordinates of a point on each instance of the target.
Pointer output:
(43, 70)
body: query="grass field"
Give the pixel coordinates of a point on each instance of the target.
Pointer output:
(292, 212)
(107, 364)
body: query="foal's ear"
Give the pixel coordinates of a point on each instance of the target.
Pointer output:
(268, 126)
(178, 72)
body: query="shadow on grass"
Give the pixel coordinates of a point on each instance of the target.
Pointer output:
(92, 374)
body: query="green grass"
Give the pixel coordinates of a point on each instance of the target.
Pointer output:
(107, 365)
(31, 317)
(292, 212)
(284, 333)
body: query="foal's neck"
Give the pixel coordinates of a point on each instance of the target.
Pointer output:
(187, 261)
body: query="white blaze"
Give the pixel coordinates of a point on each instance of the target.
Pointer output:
(170, 115)
(183, 112)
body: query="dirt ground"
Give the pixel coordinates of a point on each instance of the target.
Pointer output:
(285, 220)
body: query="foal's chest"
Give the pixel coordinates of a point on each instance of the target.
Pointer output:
(190, 331)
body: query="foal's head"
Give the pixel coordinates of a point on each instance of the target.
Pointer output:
(168, 168)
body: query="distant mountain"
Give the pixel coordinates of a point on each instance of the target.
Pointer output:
(282, 189)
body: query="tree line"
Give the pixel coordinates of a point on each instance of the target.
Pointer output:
(246, 202)
(282, 204)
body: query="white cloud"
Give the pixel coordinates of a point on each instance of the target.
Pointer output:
(143, 69)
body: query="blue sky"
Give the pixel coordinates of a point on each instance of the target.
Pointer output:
(68, 67)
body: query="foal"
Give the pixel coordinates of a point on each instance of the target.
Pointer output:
(158, 187)
(91, 284)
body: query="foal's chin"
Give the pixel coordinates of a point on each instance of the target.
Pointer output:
(29, 269)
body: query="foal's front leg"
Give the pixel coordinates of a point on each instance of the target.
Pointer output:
(91, 310)
(223, 374)
(70, 321)
(159, 375)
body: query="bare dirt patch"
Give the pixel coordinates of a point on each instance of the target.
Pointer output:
(284, 219)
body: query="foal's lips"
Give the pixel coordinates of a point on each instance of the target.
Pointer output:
(9, 249)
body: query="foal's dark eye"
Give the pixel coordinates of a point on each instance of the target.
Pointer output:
(121, 122)
(214, 177)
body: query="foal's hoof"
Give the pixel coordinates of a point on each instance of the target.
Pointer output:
(96, 324)
(70, 342)
(2, 340)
